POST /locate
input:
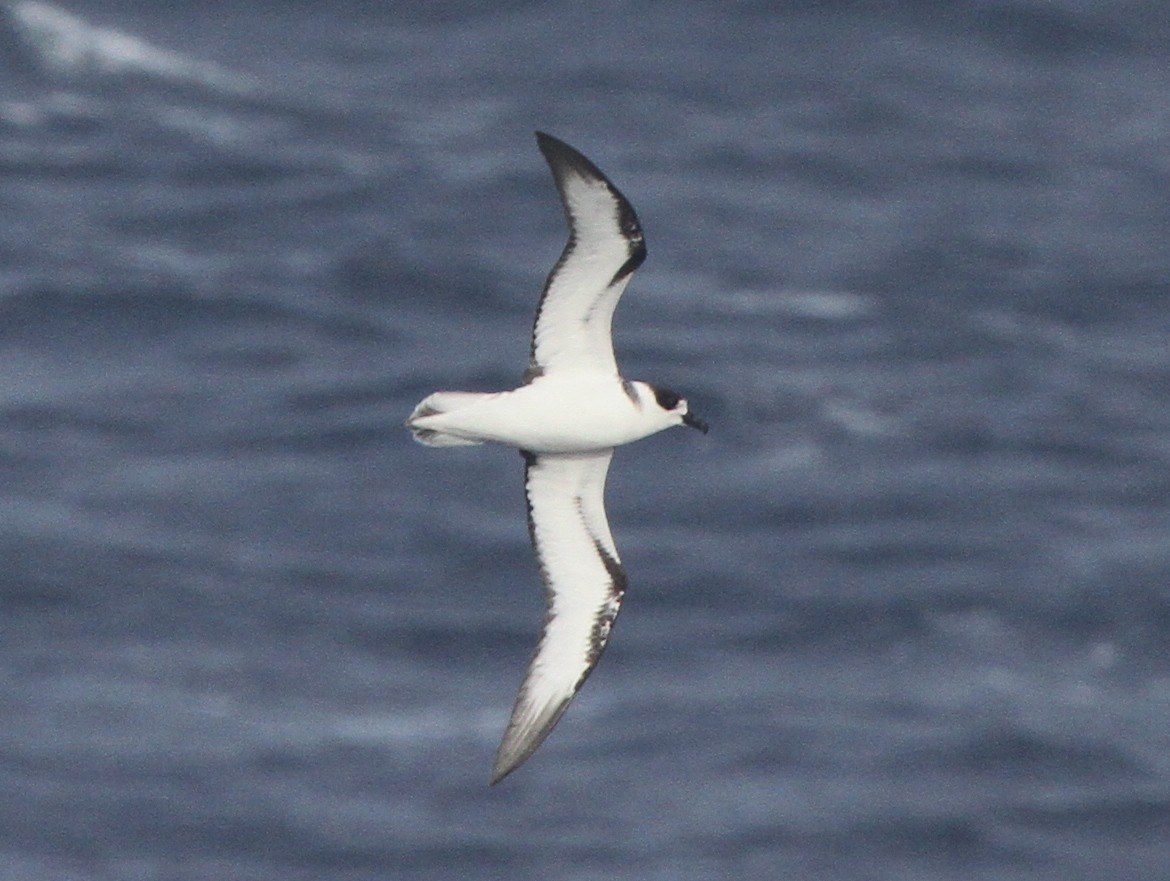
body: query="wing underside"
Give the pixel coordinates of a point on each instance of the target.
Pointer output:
(572, 327)
(584, 583)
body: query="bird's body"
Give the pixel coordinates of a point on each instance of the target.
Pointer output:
(570, 412)
(579, 413)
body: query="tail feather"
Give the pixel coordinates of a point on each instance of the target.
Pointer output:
(436, 405)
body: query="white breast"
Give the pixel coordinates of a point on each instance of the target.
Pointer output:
(572, 414)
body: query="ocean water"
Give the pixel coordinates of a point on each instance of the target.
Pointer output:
(903, 614)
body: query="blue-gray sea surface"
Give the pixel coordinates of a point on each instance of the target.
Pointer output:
(903, 614)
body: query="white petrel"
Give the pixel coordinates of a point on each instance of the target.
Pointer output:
(570, 412)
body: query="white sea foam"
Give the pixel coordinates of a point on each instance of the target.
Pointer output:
(827, 305)
(68, 44)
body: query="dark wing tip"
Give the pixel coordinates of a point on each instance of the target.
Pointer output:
(565, 160)
(521, 741)
(561, 158)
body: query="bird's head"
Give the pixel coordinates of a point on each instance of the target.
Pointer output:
(675, 405)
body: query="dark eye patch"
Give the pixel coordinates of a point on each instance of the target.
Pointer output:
(666, 399)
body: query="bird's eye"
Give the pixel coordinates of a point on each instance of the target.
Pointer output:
(666, 399)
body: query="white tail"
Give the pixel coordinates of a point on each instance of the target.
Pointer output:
(436, 405)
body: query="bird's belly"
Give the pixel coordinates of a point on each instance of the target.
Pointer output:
(550, 419)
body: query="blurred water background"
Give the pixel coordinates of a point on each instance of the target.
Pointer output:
(903, 614)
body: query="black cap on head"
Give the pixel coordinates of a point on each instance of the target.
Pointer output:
(666, 399)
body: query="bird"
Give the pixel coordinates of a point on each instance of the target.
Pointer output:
(570, 411)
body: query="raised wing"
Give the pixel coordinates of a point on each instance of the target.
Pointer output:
(572, 328)
(584, 583)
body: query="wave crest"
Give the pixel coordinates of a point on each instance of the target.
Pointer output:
(61, 43)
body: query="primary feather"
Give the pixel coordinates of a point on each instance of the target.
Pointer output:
(573, 321)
